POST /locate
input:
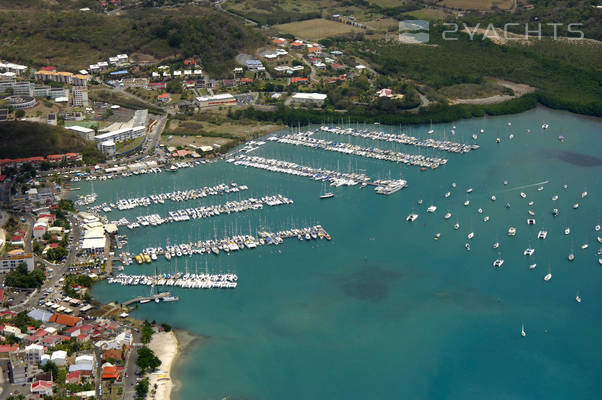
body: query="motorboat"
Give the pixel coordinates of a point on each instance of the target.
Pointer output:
(583, 195)
(531, 212)
(431, 209)
(532, 266)
(584, 246)
(555, 197)
(567, 231)
(530, 221)
(493, 198)
(522, 331)
(578, 299)
(555, 212)
(507, 205)
(547, 277)
(437, 236)
(511, 231)
(480, 211)
(539, 189)
(469, 190)
(456, 226)
(466, 203)
(470, 235)
(467, 246)
(505, 182)
(523, 195)
(420, 202)
(496, 245)
(486, 218)
(498, 140)
(575, 206)
(531, 202)
(327, 195)
(447, 216)
(571, 256)
(498, 263)
(597, 228)
(447, 194)
(412, 217)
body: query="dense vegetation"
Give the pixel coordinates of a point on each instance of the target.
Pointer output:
(27, 139)
(546, 11)
(439, 113)
(562, 83)
(21, 278)
(73, 40)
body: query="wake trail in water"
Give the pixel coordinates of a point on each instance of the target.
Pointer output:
(524, 186)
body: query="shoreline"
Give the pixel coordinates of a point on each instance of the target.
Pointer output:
(168, 347)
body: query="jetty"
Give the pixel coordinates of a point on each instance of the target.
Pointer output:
(185, 281)
(174, 196)
(188, 214)
(306, 140)
(442, 145)
(335, 178)
(226, 245)
(142, 299)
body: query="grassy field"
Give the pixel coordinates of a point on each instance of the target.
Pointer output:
(316, 29)
(473, 90)
(128, 145)
(477, 4)
(27, 139)
(429, 14)
(113, 97)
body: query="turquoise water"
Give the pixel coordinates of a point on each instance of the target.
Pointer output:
(383, 310)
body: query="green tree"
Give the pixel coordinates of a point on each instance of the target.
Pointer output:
(142, 389)
(147, 360)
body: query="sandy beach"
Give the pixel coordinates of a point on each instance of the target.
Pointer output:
(165, 346)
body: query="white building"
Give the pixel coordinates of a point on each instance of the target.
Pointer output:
(59, 357)
(84, 132)
(34, 353)
(108, 147)
(225, 99)
(10, 262)
(80, 96)
(121, 135)
(309, 98)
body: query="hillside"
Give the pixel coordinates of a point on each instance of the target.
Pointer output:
(28, 139)
(72, 40)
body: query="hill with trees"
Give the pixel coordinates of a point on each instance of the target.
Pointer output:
(28, 139)
(71, 40)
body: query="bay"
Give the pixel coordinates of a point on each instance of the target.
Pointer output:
(383, 310)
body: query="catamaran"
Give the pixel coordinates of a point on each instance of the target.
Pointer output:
(498, 263)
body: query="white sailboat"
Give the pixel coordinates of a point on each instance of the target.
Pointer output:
(522, 330)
